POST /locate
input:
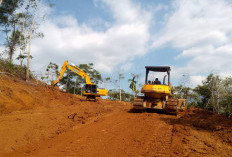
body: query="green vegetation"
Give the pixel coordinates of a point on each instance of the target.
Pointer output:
(13, 70)
(19, 25)
(132, 85)
(215, 94)
(71, 82)
(51, 73)
(115, 95)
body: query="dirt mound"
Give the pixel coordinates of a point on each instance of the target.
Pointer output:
(201, 133)
(33, 111)
(18, 95)
(13, 70)
(207, 121)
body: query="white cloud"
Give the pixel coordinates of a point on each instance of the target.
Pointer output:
(197, 80)
(66, 39)
(126, 66)
(124, 11)
(202, 30)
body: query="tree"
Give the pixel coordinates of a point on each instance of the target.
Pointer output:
(51, 72)
(20, 20)
(181, 91)
(203, 93)
(94, 75)
(215, 94)
(21, 57)
(120, 77)
(214, 84)
(187, 93)
(226, 102)
(9, 21)
(31, 29)
(73, 83)
(132, 85)
(115, 95)
(29, 22)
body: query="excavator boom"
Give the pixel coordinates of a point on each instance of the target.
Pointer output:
(73, 68)
(91, 91)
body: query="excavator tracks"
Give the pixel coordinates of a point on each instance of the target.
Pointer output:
(138, 104)
(171, 106)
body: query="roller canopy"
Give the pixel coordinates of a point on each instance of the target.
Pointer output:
(158, 68)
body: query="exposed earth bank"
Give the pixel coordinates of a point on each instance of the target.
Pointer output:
(38, 120)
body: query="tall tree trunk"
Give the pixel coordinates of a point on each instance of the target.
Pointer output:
(12, 43)
(21, 62)
(29, 51)
(120, 97)
(11, 52)
(218, 105)
(30, 37)
(75, 86)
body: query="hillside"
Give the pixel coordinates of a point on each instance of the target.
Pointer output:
(28, 107)
(38, 120)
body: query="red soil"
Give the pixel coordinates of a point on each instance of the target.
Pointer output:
(37, 120)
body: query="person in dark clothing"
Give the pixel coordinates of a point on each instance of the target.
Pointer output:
(157, 81)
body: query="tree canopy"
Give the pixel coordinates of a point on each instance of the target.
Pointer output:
(72, 82)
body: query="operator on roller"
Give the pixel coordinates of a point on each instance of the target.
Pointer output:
(157, 81)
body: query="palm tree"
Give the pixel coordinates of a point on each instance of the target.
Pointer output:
(22, 57)
(133, 84)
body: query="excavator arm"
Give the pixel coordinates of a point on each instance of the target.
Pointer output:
(74, 69)
(91, 91)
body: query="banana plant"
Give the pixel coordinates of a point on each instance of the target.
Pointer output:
(133, 84)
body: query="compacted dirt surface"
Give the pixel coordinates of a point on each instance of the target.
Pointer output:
(38, 120)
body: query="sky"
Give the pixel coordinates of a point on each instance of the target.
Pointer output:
(193, 37)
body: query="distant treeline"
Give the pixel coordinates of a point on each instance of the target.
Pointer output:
(215, 94)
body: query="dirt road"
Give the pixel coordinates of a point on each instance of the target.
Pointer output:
(37, 120)
(131, 134)
(119, 134)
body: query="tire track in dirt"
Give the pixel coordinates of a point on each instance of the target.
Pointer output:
(54, 123)
(120, 134)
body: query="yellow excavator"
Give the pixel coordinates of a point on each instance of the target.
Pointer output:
(90, 89)
(157, 95)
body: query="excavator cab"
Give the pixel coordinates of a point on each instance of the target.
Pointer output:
(90, 88)
(91, 91)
